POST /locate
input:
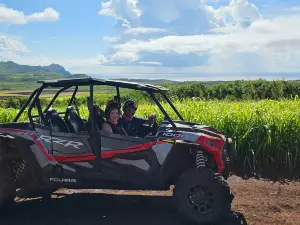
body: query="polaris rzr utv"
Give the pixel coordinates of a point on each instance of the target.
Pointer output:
(56, 150)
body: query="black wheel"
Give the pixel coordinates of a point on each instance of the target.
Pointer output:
(7, 185)
(202, 197)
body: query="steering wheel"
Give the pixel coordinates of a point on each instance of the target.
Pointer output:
(146, 129)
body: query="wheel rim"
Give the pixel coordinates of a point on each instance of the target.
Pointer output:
(200, 199)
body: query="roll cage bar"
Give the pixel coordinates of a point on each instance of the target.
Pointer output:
(33, 100)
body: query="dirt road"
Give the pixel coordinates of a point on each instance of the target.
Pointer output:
(261, 202)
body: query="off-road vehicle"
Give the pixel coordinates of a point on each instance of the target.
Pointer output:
(59, 149)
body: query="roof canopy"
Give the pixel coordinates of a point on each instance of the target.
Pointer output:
(95, 81)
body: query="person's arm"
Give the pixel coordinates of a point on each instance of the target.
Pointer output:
(107, 128)
(150, 121)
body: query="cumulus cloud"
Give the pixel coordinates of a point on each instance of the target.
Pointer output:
(12, 48)
(266, 44)
(74, 64)
(190, 16)
(11, 44)
(150, 63)
(231, 37)
(124, 57)
(110, 39)
(243, 12)
(187, 37)
(294, 9)
(123, 10)
(144, 30)
(48, 14)
(212, 1)
(11, 16)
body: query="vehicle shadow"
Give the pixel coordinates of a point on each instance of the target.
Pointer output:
(92, 209)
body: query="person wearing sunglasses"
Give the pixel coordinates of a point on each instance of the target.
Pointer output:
(132, 123)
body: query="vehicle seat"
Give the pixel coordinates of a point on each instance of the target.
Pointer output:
(56, 123)
(99, 116)
(73, 120)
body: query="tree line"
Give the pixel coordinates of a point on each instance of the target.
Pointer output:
(238, 90)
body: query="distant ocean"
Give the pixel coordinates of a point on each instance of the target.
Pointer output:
(202, 76)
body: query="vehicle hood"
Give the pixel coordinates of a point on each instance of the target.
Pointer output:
(190, 127)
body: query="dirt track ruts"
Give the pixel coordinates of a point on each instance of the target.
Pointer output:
(262, 203)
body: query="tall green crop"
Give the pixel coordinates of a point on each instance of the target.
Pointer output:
(265, 133)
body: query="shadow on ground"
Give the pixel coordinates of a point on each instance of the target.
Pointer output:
(92, 209)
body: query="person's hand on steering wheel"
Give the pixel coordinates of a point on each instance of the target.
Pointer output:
(152, 119)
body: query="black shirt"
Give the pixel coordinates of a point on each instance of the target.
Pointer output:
(131, 126)
(116, 129)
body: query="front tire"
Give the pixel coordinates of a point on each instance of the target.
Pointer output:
(202, 197)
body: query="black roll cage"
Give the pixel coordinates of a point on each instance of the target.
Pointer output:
(34, 98)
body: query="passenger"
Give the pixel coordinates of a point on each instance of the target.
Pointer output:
(131, 123)
(112, 114)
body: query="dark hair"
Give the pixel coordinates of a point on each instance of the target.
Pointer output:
(111, 105)
(129, 103)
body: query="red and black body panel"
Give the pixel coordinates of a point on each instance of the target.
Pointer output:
(210, 140)
(68, 160)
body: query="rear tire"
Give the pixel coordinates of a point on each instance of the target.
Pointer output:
(202, 197)
(7, 185)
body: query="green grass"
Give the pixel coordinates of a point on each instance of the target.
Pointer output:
(265, 133)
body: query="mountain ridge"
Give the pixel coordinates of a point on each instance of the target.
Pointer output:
(8, 68)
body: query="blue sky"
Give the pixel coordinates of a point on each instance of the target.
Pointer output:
(140, 38)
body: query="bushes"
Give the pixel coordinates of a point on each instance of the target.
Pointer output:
(238, 90)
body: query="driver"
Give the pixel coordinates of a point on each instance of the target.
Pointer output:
(130, 122)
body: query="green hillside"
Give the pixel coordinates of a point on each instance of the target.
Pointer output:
(14, 76)
(9, 68)
(11, 72)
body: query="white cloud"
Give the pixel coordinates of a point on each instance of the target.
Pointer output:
(72, 63)
(154, 13)
(183, 38)
(294, 9)
(265, 45)
(12, 48)
(179, 13)
(212, 1)
(107, 9)
(124, 57)
(232, 37)
(48, 14)
(215, 16)
(144, 30)
(123, 10)
(11, 44)
(11, 16)
(133, 8)
(150, 63)
(8, 15)
(238, 12)
(242, 11)
(110, 39)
